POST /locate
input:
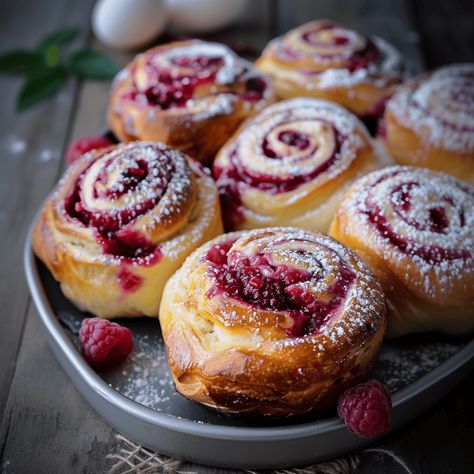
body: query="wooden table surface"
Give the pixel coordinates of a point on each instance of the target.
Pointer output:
(46, 426)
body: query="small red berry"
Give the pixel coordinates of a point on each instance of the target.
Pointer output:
(104, 344)
(83, 145)
(366, 408)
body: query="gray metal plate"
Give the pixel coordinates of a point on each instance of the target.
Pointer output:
(139, 400)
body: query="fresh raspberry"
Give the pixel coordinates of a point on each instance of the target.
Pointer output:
(366, 408)
(104, 344)
(83, 145)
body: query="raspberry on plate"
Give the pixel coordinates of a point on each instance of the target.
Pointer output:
(366, 408)
(104, 344)
(91, 142)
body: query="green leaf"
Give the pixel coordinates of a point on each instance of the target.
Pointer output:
(20, 62)
(58, 38)
(89, 63)
(53, 55)
(40, 86)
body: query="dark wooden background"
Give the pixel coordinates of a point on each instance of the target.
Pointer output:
(46, 426)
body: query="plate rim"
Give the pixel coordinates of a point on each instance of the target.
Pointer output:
(204, 430)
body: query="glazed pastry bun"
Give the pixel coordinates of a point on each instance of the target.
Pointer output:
(415, 229)
(190, 95)
(429, 122)
(275, 321)
(291, 164)
(325, 60)
(121, 221)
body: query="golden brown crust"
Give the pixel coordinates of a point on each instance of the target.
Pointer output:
(199, 127)
(307, 62)
(123, 272)
(413, 227)
(429, 122)
(238, 358)
(303, 153)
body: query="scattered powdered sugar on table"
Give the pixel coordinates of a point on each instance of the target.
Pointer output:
(15, 145)
(48, 155)
(399, 365)
(143, 379)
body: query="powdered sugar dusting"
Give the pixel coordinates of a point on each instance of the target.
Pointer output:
(290, 149)
(319, 271)
(127, 197)
(226, 74)
(388, 68)
(224, 104)
(413, 214)
(325, 126)
(340, 57)
(401, 363)
(195, 79)
(200, 220)
(145, 379)
(439, 106)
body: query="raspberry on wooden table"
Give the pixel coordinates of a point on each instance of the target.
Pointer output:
(104, 344)
(90, 142)
(366, 408)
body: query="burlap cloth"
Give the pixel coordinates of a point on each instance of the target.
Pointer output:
(131, 458)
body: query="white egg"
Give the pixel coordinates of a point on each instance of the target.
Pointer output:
(203, 16)
(128, 24)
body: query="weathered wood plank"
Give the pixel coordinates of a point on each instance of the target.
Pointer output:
(446, 30)
(30, 145)
(48, 428)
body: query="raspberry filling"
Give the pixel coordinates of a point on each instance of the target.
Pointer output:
(129, 281)
(292, 138)
(255, 88)
(374, 118)
(173, 88)
(230, 179)
(258, 282)
(111, 225)
(437, 220)
(364, 58)
(312, 37)
(359, 59)
(199, 62)
(434, 220)
(168, 90)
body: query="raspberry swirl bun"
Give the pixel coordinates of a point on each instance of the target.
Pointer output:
(189, 94)
(429, 122)
(121, 221)
(275, 321)
(325, 60)
(415, 228)
(290, 165)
